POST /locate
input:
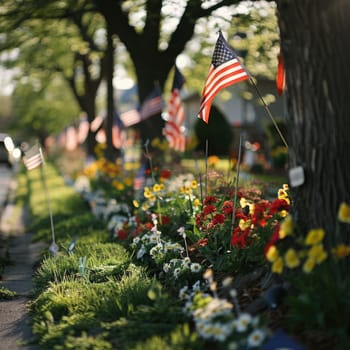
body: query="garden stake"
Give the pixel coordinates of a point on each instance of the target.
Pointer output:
(269, 113)
(236, 184)
(53, 247)
(150, 161)
(200, 179)
(206, 167)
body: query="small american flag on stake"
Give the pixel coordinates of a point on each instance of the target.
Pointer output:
(33, 158)
(153, 104)
(225, 70)
(176, 115)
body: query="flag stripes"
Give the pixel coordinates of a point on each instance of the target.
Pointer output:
(152, 105)
(32, 158)
(225, 70)
(130, 118)
(173, 130)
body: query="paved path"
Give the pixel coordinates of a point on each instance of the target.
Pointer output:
(15, 330)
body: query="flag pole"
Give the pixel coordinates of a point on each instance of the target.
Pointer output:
(53, 247)
(268, 112)
(206, 167)
(236, 183)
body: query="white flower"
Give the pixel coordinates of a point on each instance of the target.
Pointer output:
(195, 267)
(243, 322)
(156, 250)
(136, 240)
(177, 272)
(166, 267)
(153, 239)
(256, 338)
(145, 238)
(181, 231)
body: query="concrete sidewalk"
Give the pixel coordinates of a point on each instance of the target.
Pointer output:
(15, 329)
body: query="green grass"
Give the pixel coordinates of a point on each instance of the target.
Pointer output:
(109, 303)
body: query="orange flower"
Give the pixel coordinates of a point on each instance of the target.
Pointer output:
(344, 213)
(341, 250)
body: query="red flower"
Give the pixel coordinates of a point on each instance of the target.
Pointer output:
(278, 205)
(148, 225)
(123, 234)
(240, 215)
(202, 242)
(227, 207)
(209, 209)
(273, 239)
(165, 220)
(239, 237)
(210, 200)
(218, 219)
(165, 174)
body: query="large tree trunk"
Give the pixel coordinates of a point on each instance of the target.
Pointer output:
(315, 47)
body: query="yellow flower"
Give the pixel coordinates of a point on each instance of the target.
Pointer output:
(156, 187)
(286, 227)
(341, 250)
(291, 258)
(344, 213)
(243, 202)
(147, 192)
(277, 266)
(308, 265)
(283, 213)
(317, 253)
(314, 236)
(118, 185)
(282, 194)
(129, 181)
(135, 203)
(272, 254)
(145, 207)
(194, 184)
(286, 187)
(196, 202)
(244, 224)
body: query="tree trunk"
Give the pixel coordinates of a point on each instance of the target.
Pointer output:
(111, 152)
(315, 47)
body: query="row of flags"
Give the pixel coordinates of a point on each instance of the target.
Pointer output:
(225, 70)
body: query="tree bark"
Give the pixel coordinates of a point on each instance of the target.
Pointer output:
(315, 47)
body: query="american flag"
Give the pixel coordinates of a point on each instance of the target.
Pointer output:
(96, 124)
(225, 70)
(118, 132)
(176, 115)
(71, 138)
(83, 129)
(33, 158)
(130, 117)
(153, 104)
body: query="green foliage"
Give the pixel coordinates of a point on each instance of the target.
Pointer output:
(42, 111)
(6, 294)
(218, 132)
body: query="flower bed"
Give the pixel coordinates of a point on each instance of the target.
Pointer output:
(228, 264)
